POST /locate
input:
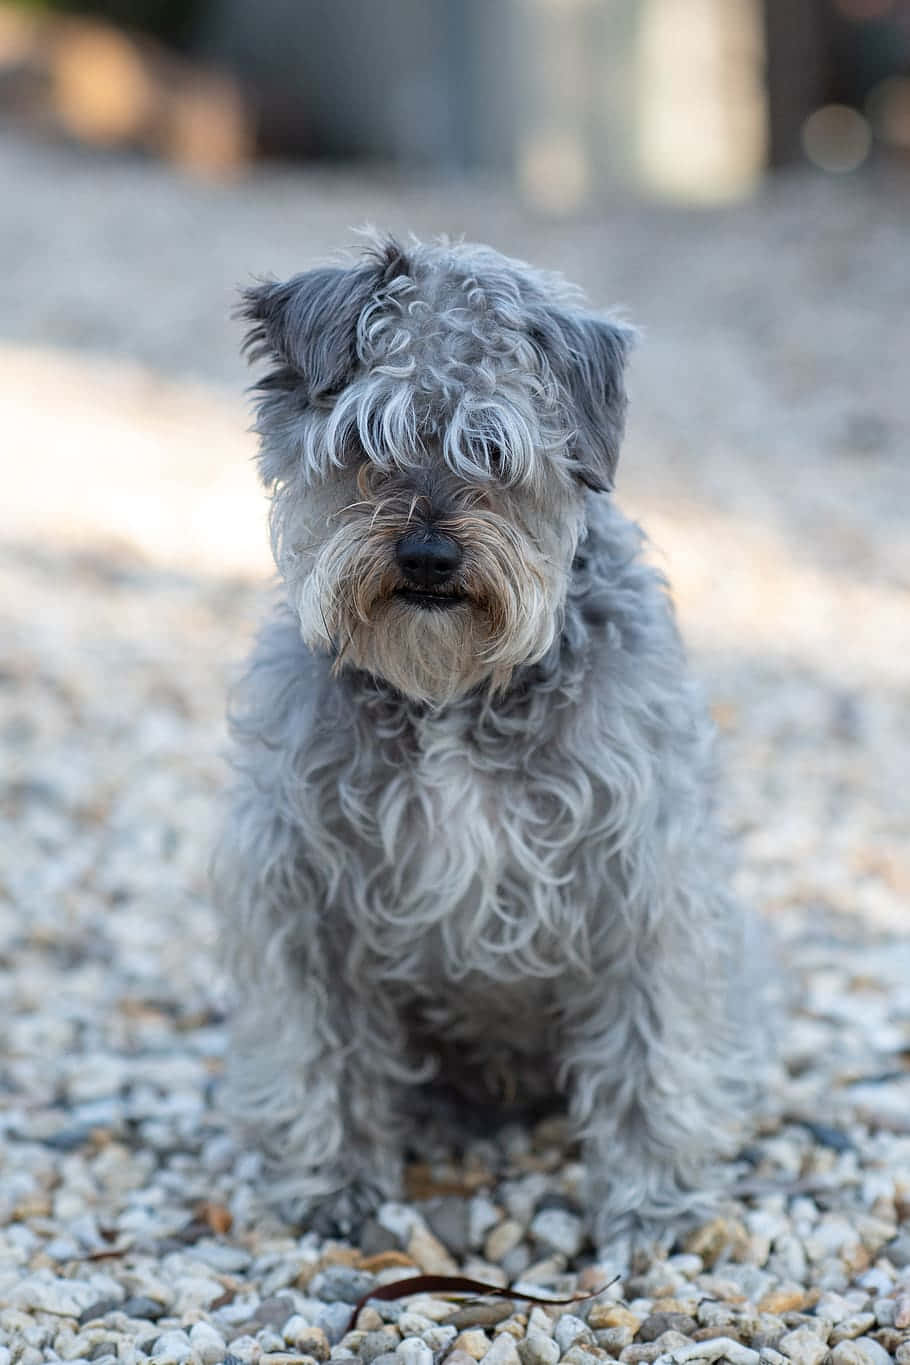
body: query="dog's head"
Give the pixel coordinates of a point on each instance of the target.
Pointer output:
(429, 426)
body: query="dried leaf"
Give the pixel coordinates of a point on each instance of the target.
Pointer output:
(459, 1284)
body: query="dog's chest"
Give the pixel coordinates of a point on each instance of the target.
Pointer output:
(468, 888)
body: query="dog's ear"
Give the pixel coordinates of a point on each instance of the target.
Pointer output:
(309, 325)
(587, 355)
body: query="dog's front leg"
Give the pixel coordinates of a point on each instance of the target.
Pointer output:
(643, 1059)
(311, 1075)
(315, 1067)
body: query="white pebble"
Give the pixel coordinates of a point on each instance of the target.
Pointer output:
(863, 1351)
(172, 1348)
(570, 1329)
(803, 1347)
(713, 1349)
(413, 1351)
(538, 1348)
(208, 1344)
(559, 1230)
(504, 1351)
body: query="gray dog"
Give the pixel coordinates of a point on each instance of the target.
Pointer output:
(471, 838)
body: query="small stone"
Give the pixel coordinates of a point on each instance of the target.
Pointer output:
(473, 1343)
(851, 1327)
(569, 1330)
(333, 1318)
(47, 1293)
(639, 1354)
(612, 1315)
(375, 1344)
(668, 1304)
(375, 1239)
(483, 1215)
(386, 1260)
(295, 1327)
(99, 1310)
(658, 1323)
(368, 1320)
(885, 1310)
(559, 1230)
(902, 1354)
(902, 1311)
(285, 1358)
(459, 1358)
(172, 1348)
(275, 1310)
(724, 1238)
(803, 1346)
(208, 1344)
(711, 1314)
(580, 1354)
(715, 1348)
(220, 1256)
(614, 1339)
(413, 1351)
(399, 1219)
(671, 1341)
(890, 1338)
(834, 1307)
(439, 1337)
(898, 1250)
(341, 1283)
(784, 1301)
(245, 1349)
(688, 1264)
(516, 1262)
(543, 1272)
(862, 1351)
(482, 1313)
(143, 1308)
(308, 1340)
(503, 1239)
(413, 1324)
(504, 1351)
(537, 1348)
(195, 1292)
(429, 1253)
(448, 1219)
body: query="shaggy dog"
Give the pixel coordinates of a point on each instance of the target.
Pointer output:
(471, 838)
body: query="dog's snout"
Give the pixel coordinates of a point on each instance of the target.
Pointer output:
(428, 558)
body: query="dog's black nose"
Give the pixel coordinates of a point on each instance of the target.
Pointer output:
(428, 559)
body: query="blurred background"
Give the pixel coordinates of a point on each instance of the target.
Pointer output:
(733, 174)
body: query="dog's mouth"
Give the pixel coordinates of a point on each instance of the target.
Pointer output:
(439, 600)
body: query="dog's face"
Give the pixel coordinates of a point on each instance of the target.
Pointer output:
(428, 430)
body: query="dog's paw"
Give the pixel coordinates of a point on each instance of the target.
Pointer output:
(343, 1213)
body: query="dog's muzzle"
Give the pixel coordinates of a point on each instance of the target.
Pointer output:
(428, 561)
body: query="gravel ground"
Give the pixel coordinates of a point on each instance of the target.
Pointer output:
(769, 421)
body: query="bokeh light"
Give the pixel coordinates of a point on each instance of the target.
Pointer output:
(836, 138)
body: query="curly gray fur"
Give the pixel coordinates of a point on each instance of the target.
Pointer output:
(477, 844)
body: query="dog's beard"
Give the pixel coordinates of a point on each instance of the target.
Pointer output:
(501, 610)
